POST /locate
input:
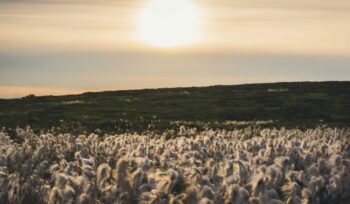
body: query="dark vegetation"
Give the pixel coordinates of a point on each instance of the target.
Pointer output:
(297, 104)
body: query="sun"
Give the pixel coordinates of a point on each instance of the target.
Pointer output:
(169, 23)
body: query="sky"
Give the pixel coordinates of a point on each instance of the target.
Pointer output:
(55, 47)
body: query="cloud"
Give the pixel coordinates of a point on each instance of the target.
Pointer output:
(290, 27)
(83, 45)
(130, 70)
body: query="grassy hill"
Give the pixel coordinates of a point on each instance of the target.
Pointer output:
(297, 104)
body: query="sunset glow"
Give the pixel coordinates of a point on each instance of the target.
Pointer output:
(168, 23)
(135, 44)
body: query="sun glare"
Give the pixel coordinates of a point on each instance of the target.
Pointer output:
(169, 23)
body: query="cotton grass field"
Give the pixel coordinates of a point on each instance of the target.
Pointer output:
(249, 166)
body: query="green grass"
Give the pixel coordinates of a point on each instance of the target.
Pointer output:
(303, 105)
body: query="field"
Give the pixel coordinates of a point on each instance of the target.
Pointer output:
(241, 167)
(245, 144)
(293, 105)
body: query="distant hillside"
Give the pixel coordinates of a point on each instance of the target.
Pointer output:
(298, 104)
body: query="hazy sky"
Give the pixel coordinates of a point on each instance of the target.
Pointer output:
(67, 46)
